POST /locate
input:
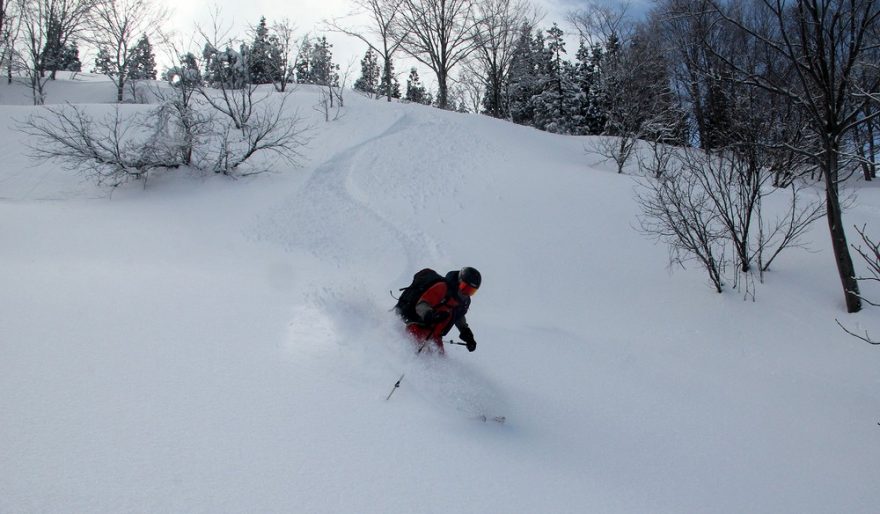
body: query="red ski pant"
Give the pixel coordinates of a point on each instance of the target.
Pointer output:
(431, 336)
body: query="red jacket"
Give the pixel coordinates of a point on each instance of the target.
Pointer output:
(439, 299)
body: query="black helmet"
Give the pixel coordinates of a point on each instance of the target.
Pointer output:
(470, 276)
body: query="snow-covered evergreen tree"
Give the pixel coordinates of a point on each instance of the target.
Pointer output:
(227, 69)
(315, 64)
(587, 79)
(50, 59)
(264, 57)
(553, 105)
(142, 62)
(186, 73)
(303, 67)
(69, 58)
(415, 91)
(523, 77)
(369, 79)
(323, 71)
(395, 84)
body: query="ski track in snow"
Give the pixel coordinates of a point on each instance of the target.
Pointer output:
(339, 320)
(300, 222)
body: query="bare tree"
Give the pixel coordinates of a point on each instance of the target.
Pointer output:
(439, 34)
(183, 108)
(270, 130)
(111, 150)
(5, 15)
(735, 180)
(117, 27)
(380, 35)
(827, 43)
(34, 20)
(120, 147)
(677, 212)
(689, 28)
(497, 31)
(599, 22)
(636, 96)
(217, 130)
(65, 20)
(217, 34)
(871, 257)
(865, 143)
(285, 34)
(9, 34)
(473, 87)
(332, 95)
(729, 189)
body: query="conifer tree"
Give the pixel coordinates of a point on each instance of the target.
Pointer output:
(226, 69)
(142, 62)
(69, 59)
(264, 56)
(324, 72)
(369, 79)
(392, 80)
(415, 91)
(551, 103)
(587, 80)
(523, 77)
(51, 57)
(303, 62)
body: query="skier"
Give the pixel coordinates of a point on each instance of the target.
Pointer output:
(443, 305)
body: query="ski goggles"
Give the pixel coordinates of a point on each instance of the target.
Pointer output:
(467, 289)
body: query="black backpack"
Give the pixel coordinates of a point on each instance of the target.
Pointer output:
(409, 296)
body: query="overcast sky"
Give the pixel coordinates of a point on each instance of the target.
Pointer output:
(307, 15)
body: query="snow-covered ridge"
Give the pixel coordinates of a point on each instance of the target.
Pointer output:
(214, 345)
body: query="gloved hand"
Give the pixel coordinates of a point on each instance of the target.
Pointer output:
(434, 317)
(467, 336)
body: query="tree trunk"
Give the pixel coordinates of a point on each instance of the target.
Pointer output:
(872, 147)
(387, 77)
(442, 100)
(842, 256)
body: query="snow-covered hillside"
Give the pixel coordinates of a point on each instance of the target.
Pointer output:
(214, 345)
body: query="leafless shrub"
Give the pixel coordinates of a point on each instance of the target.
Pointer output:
(700, 203)
(182, 131)
(618, 149)
(655, 161)
(332, 96)
(112, 150)
(871, 256)
(268, 129)
(677, 212)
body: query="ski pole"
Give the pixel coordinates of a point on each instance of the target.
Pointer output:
(396, 385)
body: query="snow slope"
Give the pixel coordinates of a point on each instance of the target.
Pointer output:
(210, 345)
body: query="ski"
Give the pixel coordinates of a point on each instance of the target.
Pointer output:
(496, 419)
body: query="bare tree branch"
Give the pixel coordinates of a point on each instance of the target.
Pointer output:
(383, 35)
(439, 34)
